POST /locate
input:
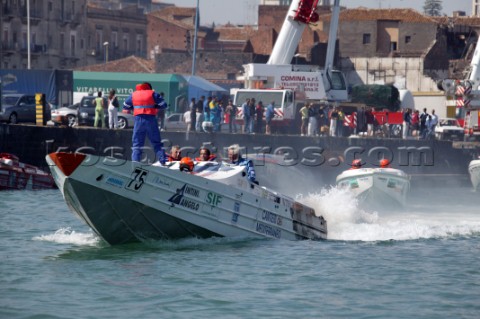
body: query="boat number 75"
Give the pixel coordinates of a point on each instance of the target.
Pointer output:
(138, 178)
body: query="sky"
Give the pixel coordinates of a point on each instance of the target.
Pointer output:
(245, 11)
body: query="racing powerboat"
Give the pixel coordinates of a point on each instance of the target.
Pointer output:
(124, 201)
(474, 171)
(17, 175)
(376, 186)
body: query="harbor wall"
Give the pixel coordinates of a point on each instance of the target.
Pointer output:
(278, 158)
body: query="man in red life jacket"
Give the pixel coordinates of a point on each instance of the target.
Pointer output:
(205, 155)
(175, 154)
(145, 103)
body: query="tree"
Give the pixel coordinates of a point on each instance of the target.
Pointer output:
(433, 8)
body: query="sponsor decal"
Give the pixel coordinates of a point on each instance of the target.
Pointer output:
(269, 230)
(271, 217)
(115, 181)
(163, 181)
(179, 199)
(213, 199)
(192, 191)
(137, 179)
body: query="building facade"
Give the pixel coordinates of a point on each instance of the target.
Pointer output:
(67, 34)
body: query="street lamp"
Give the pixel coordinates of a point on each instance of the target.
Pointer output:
(105, 44)
(195, 40)
(28, 34)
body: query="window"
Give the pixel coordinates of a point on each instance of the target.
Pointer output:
(366, 38)
(98, 40)
(50, 6)
(408, 39)
(72, 44)
(125, 43)
(24, 40)
(393, 46)
(115, 39)
(5, 37)
(62, 41)
(139, 43)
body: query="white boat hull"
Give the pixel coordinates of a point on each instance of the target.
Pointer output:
(474, 171)
(376, 186)
(128, 202)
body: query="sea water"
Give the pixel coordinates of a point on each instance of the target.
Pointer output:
(421, 262)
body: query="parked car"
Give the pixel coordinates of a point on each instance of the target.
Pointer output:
(66, 115)
(17, 108)
(449, 129)
(174, 122)
(86, 114)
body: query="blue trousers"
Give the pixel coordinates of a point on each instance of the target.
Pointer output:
(146, 125)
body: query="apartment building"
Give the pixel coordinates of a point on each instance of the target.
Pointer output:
(67, 34)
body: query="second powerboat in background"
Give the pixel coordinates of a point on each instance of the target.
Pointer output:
(474, 171)
(16, 175)
(376, 186)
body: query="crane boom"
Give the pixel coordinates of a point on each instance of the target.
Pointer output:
(332, 36)
(300, 13)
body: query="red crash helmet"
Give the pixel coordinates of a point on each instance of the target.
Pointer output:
(186, 164)
(384, 163)
(357, 163)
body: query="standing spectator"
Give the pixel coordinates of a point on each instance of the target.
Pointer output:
(304, 114)
(269, 114)
(414, 123)
(370, 120)
(407, 119)
(161, 113)
(333, 122)
(200, 117)
(259, 109)
(423, 123)
(99, 110)
(429, 132)
(322, 120)
(434, 121)
(220, 116)
(360, 120)
(312, 120)
(112, 110)
(206, 109)
(252, 115)
(340, 121)
(231, 110)
(246, 116)
(145, 103)
(215, 114)
(193, 114)
(187, 118)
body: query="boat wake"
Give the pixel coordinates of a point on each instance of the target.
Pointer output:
(69, 236)
(348, 222)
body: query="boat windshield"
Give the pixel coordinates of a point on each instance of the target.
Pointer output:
(211, 167)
